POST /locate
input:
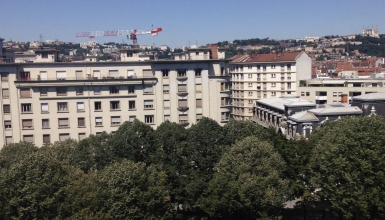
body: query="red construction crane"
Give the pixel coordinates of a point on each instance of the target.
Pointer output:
(131, 34)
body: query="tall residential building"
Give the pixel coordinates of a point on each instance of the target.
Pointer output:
(47, 101)
(264, 76)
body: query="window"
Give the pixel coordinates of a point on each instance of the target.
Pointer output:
(113, 74)
(62, 107)
(302, 93)
(7, 124)
(288, 67)
(273, 85)
(26, 107)
(6, 109)
(5, 93)
(61, 91)
(249, 67)
(25, 76)
(147, 73)
(334, 94)
(43, 91)
(79, 74)
(148, 104)
(61, 75)
(115, 120)
(131, 105)
(307, 93)
(148, 89)
(199, 103)
(80, 106)
(98, 106)
(250, 84)
(250, 75)
(25, 92)
(258, 67)
(96, 74)
(98, 133)
(225, 116)
(149, 119)
(44, 107)
(28, 138)
(198, 88)
(273, 93)
(63, 123)
(81, 122)
(165, 73)
(63, 137)
(250, 93)
(114, 105)
(198, 72)
(82, 136)
(250, 110)
(199, 117)
(264, 67)
(181, 73)
(130, 74)
(182, 103)
(44, 55)
(132, 118)
(166, 104)
(27, 124)
(45, 123)
(183, 118)
(167, 118)
(273, 75)
(4, 77)
(131, 89)
(166, 88)
(46, 138)
(273, 66)
(98, 121)
(114, 89)
(8, 140)
(79, 90)
(96, 90)
(182, 88)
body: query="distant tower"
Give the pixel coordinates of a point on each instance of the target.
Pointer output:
(1, 47)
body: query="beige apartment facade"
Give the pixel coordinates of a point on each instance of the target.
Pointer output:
(263, 76)
(49, 101)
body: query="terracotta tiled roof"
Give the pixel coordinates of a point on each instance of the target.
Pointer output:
(272, 57)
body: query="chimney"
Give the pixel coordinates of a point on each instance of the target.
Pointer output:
(344, 98)
(213, 51)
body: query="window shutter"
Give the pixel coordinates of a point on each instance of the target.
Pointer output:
(182, 88)
(147, 74)
(79, 75)
(81, 122)
(148, 89)
(167, 118)
(45, 123)
(199, 117)
(114, 73)
(8, 140)
(28, 138)
(61, 75)
(166, 103)
(198, 88)
(96, 90)
(63, 122)
(82, 136)
(46, 138)
(5, 92)
(96, 74)
(6, 108)
(115, 119)
(80, 106)
(130, 73)
(183, 117)
(7, 123)
(98, 120)
(166, 88)
(63, 137)
(27, 123)
(199, 102)
(44, 107)
(132, 118)
(182, 103)
(148, 102)
(43, 76)
(25, 92)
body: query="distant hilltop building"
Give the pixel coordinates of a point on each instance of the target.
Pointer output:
(370, 32)
(311, 38)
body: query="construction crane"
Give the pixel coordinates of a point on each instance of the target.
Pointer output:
(131, 34)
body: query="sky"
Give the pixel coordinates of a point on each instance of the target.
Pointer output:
(187, 22)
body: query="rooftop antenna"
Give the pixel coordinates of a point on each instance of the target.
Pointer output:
(41, 41)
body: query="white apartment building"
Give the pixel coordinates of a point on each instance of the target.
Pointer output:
(264, 76)
(47, 101)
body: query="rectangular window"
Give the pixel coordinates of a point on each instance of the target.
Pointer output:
(167, 118)
(198, 88)
(5, 93)
(46, 138)
(8, 140)
(166, 88)
(4, 77)
(149, 119)
(98, 121)
(61, 91)
(79, 74)
(131, 89)
(63, 123)
(25, 108)
(62, 107)
(199, 117)
(165, 73)
(258, 67)
(25, 76)
(249, 66)
(27, 124)
(114, 89)
(63, 137)
(147, 74)
(148, 104)
(273, 66)
(199, 103)
(250, 75)
(131, 105)
(6, 109)
(334, 94)
(61, 75)
(96, 74)
(273, 84)
(113, 74)
(114, 105)
(81, 122)
(250, 93)
(28, 138)
(183, 118)
(198, 72)
(307, 93)
(166, 104)
(225, 116)
(181, 73)
(182, 88)
(80, 106)
(43, 75)
(302, 93)
(273, 93)
(25, 92)
(96, 90)
(43, 91)
(182, 103)
(98, 106)
(132, 118)
(44, 107)
(250, 84)
(7, 124)
(273, 75)
(79, 90)
(115, 120)
(130, 74)
(148, 89)
(82, 136)
(45, 123)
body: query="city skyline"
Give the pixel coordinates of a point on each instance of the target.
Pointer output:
(188, 22)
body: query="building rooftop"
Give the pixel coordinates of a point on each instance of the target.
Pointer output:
(304, 116)
(336, 111)
(370, 97)
(281, 102)
(272, 57)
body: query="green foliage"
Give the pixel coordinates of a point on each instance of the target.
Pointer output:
(13, 153)
(348, 166)
(248, 182)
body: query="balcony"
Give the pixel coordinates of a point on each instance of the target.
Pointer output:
(183, 123)
(182, 93)
(183, 108)
(182, 77)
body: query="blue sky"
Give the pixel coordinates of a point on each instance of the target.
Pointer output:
(202, 21)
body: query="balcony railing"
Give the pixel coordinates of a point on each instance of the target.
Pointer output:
(82, 78)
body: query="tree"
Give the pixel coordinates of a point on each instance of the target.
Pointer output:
(248, 182)
(348, 166)
(13, 153)
(133, 191)
(236, 130)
